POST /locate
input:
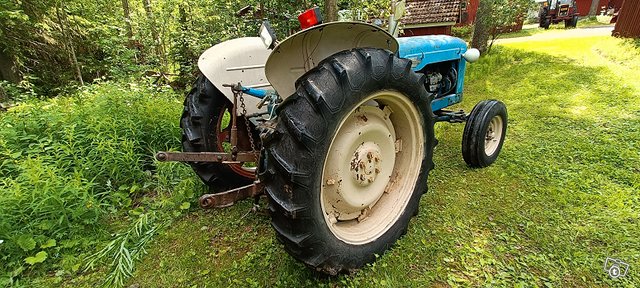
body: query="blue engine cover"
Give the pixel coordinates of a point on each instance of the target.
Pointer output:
(429, 49)
(423, 50)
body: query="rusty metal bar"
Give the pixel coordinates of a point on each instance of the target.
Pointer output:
(226, 158)
(228, 198)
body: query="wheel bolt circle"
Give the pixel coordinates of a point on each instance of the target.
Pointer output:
(366, 163)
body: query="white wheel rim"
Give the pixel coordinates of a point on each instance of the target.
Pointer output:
(372, 166)
(493, 136)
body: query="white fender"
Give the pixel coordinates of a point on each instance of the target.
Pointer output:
(304, 50)
(237, 60)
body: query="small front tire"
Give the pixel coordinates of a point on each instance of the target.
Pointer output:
(484, 133)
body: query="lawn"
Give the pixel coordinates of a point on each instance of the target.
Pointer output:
(563, 196)
(585, 22)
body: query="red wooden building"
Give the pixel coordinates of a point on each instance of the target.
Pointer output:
(628, 24)
(426, 17)
(468, 15)
(584, 6)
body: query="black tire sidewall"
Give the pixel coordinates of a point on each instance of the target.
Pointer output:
(344, 251)
(323, 250)
(473, 144)
(206, 101)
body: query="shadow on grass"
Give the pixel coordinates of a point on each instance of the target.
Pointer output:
(635, 42)
(571, 150)
(545, 213)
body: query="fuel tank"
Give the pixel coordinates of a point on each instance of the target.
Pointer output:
(428, 49)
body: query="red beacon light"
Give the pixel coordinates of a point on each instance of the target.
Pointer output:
(310, 18)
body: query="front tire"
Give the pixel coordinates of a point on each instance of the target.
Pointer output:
(544, 21)
(484, 133)
(574, 21)
(349, 161)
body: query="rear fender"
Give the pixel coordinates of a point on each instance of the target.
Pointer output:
(237, 60)
(304, 50)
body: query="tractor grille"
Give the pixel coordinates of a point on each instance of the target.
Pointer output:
(564, 9)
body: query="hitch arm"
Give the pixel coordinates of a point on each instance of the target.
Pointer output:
(228, 198)
(219, 157)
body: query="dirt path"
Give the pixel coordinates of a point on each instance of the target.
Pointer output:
(563, 34)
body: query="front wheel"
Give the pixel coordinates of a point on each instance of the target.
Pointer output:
(484, 133)
(571, 23)
(574, 21)
(349, 162)
(544, 21)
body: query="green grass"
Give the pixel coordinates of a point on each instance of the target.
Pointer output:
(582, 23)
(75, 169)
(592, 21)
(563, 195)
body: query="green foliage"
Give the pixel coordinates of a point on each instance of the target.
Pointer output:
(366, 10)
(561, 197)
(124, 250)
(70, 165)
(496, 17)
(38, 258)
(38, 37)
(17, 92)
(463, 32)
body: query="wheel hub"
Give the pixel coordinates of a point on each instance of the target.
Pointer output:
(366, 163)
(370, 167)
(362, 160)
(493, 135)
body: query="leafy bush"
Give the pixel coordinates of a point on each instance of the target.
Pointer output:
(463, 32)
(69, 165)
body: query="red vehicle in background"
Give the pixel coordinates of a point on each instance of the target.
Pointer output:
(555, 11)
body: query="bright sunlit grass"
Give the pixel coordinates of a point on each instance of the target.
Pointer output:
(563, 195)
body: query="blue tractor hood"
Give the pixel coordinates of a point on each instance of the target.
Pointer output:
(423, 50)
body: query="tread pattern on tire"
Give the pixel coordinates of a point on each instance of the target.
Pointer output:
(294, 158)
(202, 108)
(473, 135)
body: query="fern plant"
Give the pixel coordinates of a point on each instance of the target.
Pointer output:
(124, 250)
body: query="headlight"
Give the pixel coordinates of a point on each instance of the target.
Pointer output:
(267, 35)
(471, 55)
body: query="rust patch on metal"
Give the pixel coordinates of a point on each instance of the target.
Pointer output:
(228, 198)
(206, 157)
(363, 118)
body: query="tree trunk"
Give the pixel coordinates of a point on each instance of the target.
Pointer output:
(331, 10)
(183, 53)
(8, 69)
(127, 20)
(482, 26)
(593, 11)
(68, 42)
(154, 33)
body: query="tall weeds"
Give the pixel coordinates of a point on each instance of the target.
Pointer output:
(73, 169)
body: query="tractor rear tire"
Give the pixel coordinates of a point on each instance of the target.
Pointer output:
(349, 160)
(204, 109)
(484, 133)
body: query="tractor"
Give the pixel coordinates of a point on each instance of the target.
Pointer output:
(335, 125)
(556, 11)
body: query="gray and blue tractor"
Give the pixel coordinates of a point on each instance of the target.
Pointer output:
(335, 125)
